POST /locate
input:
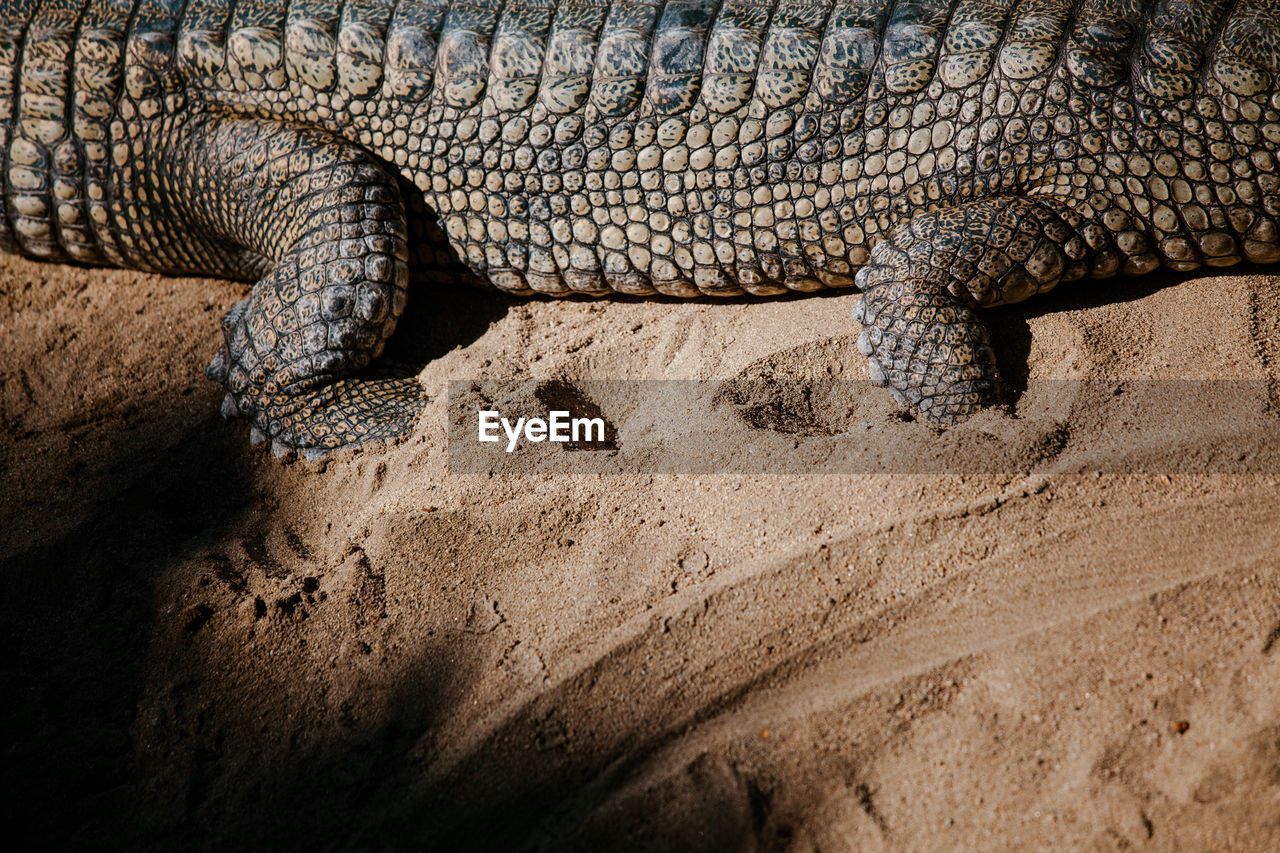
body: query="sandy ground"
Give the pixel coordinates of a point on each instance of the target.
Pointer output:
(201, 646)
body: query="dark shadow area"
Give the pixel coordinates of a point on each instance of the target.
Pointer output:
(540, 783)
(78, 618)
(447, 306)
(440, 317)
(123, 737)
(247, 777)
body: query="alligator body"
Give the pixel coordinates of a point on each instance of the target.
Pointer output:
(941, 156)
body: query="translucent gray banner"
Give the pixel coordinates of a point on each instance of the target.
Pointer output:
(790, 426)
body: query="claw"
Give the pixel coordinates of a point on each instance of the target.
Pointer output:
(217, 369)
(256, 436)
(864, 344)
(314, 454)
(876, 373)
(229, 408)
(233, 316)
(279, 449)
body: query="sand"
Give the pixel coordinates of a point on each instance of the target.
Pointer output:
(1075, 648)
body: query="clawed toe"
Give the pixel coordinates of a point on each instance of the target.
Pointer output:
(876, 373)
(218, 367)
(931, 352)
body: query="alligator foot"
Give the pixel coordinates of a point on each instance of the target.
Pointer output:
(922, 334)
(344, 413)
(327, 222)
(932, 352)
(351, 411)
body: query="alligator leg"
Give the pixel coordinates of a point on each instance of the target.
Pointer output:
(922, 333)
(326, 224)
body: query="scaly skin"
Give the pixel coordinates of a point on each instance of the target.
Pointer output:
(963, 153)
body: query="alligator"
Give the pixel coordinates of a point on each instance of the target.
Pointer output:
(939, 156)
